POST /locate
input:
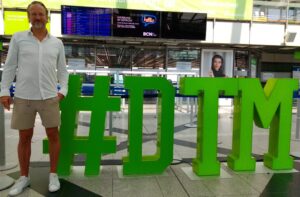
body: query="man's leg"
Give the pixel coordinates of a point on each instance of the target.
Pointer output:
(54, 147)
(24, 150)
(50, 116)
(23, 117)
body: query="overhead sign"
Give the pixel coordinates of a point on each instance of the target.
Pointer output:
(223, 9)
(269, 108)
(15, 21)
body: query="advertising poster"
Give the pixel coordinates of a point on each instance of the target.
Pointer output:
(136, 23)
(216, 63)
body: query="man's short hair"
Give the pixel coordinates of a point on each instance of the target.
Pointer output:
(37, 3)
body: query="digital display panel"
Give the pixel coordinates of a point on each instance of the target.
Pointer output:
(86, 21)
(136, 23)
(183, 25)
(15, 21)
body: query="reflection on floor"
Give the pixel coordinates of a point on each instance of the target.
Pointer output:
(39, 183)
(172, 183)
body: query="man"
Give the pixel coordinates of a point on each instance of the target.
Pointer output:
(37, 59)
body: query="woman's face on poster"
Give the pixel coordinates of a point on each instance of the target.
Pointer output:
(217, 64)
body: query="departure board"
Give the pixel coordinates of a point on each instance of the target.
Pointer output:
(86, 21)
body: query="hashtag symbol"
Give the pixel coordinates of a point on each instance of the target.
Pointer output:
(95, 144)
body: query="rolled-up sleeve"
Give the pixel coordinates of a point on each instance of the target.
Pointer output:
(9, 68)
(62, 73)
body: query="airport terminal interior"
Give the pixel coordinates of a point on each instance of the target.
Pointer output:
(174, 40)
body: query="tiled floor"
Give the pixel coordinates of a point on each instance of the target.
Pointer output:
(174, 182)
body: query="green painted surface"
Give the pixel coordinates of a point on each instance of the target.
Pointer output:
(273, 110)
(95, 144)
(297, 55)
(270, 107)
(135, 163)
(208, 91)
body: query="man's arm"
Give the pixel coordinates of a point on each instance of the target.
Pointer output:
(9, 73)
(62, 73)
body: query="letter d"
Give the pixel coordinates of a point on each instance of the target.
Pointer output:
(135, 163)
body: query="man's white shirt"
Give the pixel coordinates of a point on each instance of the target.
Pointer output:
(38, 66)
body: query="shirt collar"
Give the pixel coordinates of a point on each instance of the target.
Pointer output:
(31, 34)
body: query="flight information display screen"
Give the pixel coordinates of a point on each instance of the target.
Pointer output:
(86, 21)
(136, 23)
(183, 25)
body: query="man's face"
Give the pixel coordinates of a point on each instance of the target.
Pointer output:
(37, 16)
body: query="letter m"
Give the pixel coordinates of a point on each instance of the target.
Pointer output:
(271, 108)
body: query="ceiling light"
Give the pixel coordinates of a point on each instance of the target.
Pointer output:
(133, 42)
(287, 48)
(170, 43)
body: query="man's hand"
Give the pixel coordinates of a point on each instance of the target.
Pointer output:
(6, 101)
(60, 96)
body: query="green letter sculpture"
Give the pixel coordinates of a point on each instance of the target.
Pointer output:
(271, 108)
(208, 91)
(135, 163)
(95, 144)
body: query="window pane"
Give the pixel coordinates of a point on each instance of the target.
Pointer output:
(270, 11)
(113, 57)
(294, 13)
(148, 58)
(80, 57)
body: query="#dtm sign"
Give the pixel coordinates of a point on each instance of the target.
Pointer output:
(269, 107)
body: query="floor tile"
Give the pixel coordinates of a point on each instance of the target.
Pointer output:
(136, 187)
(175, 182)
(283, 184)
(193, 188)
(232, 186)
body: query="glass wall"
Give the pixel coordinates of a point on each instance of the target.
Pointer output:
(120, 60)
(270, 11)
(183, 59)
(183, 62)
(241, 63)
(113, 57)
(128, 57)
(277, 11)
(148, 58)
(294, 12)
(80, 59)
